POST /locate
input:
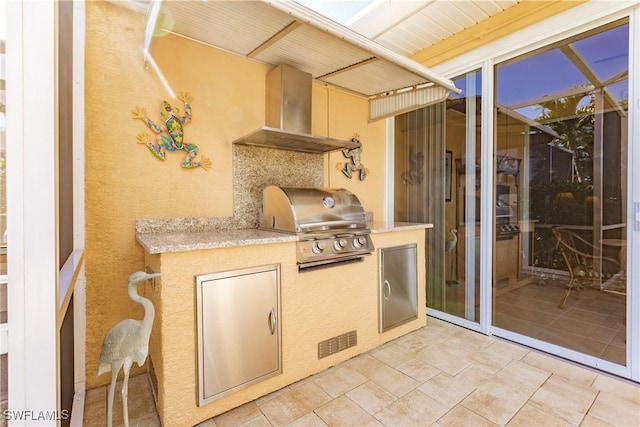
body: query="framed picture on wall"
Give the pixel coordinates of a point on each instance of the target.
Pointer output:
(447, 175)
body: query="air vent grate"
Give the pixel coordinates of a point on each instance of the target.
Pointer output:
(336, 344)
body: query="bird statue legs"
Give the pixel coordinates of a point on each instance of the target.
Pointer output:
(115, 368)
(125, 391)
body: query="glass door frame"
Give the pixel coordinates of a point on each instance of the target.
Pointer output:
(633, 208)
(586, 17)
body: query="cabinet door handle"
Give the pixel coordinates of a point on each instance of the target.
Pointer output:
(387, 289)
(272, 321)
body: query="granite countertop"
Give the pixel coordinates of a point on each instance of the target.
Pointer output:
(179, 241)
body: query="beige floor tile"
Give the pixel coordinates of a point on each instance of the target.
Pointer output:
(612, 409)
(270, 396)
(371, 397)
(527, 376)
(618, 387)
(309, 420)
(345, 412)
(498, 410)
(416, 380)
(514, 351)
(393, 354)
(460, 416)
(416, 340)
(474, 376)
(95, 407)
(365, 364)
(508, 389)
(446, 389)
(564, 399)
(529, 416)
(472, 340)
(489, 361)
(418, 370)
(591, 421)
(140, 402)
(259, 421)
(340, 381)
(207, 423)
(146, 420)
(290, 406)
(413, 409)
(435, 337)
(433, 323)
(395, 382)
(444, 360)
(238, 415)
(561, 368)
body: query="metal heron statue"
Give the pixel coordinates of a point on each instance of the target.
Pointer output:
(125, 343)
(450, 245)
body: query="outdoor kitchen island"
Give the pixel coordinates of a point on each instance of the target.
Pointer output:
(314, 306)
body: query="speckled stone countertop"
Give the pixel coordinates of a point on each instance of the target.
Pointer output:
(178, 241)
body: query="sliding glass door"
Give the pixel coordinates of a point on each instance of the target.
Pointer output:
(437, 180)
(525, 176)
(560, 187)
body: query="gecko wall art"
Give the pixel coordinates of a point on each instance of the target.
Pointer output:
(355, 165)
(170, 133)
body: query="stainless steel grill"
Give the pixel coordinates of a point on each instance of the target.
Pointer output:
(331, 223)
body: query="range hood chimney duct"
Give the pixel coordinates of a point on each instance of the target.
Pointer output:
(288, 116)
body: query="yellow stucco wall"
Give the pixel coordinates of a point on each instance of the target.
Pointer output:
(315, 306)
(124, 182)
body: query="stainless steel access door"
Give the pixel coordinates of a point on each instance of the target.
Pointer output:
(238, 329)
(398, 287)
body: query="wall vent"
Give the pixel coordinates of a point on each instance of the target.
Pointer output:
(336, 344)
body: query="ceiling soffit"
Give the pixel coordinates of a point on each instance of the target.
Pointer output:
(285, 32)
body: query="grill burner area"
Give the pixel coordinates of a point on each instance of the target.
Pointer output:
(331, 223)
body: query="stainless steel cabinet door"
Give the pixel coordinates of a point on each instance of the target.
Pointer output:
(238, 329)
(398, 293)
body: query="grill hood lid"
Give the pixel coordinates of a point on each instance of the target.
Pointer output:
(304, 210)
(288, 116)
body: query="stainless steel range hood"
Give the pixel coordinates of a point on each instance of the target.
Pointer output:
(288, 116)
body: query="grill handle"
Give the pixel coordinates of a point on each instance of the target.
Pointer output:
(326, 225)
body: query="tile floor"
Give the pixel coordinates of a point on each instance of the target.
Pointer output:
(439, 375)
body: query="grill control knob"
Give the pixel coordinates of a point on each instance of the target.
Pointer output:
(340, 244)
(359, 241)
(318, 247)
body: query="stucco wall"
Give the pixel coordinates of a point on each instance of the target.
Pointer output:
(125, 182)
